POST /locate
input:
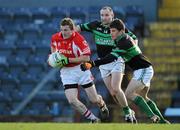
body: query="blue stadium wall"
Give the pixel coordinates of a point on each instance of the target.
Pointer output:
(149, 6)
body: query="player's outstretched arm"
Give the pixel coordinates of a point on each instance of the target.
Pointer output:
(78, 28)
(96, 63)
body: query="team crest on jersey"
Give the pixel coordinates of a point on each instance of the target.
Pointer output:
(105, 31)
(99, 29)
(64, 42)
(69, 46)
(58, 45)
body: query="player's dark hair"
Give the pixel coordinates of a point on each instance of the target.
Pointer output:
(69, 22)
(118, 24)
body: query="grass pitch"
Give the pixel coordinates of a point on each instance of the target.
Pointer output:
(86, 126)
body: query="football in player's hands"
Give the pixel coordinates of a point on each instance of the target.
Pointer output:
(55, 60)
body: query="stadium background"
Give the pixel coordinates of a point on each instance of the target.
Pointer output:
(32, 91)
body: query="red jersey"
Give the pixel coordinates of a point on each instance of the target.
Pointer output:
(72, 47)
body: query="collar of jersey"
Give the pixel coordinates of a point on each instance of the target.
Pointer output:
(120, 37)
(73, 35)
(104, 26)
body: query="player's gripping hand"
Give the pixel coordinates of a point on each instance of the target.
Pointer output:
(64, 60)
(87, 65)
(57, 60)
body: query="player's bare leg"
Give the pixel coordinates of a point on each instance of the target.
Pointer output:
(97, 99)
(132, 93)
(113, 83)
(71, 95)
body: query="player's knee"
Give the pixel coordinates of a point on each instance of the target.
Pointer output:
(100, 99)
(142, 95)
(94, 100)
(115, 91)
(73, 101)
(129, 95)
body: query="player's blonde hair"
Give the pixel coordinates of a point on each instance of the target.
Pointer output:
(69, 22)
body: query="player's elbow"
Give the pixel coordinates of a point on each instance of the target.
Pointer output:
(136, 42)
(78, 28)
(53, 50)
(129, 95)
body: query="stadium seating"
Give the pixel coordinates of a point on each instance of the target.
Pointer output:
(173, 114)
(6, 48)
(119, 12)
(21, 15)
(31, 31)
(12, 32)
(175, 99)
(169, 10)
(6, 16)
(78, 14)
(59, 13)
(40, 15)
(135, 19)
(1, 33)
(93, 13)
(162, 47)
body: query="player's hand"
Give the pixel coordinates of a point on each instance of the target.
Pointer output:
(64, 60)
(57, 60)
(87, 65)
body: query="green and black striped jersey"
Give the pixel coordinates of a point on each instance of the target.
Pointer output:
(130, 52)
(102, 37)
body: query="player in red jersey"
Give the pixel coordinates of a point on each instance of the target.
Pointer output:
(76, 50)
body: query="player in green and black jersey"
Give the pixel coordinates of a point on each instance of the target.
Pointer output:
(139, 85)
(112, 73)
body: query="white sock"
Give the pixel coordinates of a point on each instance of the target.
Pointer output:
(89, 115)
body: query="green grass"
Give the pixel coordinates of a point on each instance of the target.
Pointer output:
(86, 126)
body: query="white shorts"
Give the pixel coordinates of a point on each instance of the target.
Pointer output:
(144, 75)
(74, 75)
(115, 66)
